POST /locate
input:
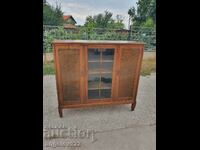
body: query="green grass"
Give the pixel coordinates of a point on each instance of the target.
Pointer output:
(48, 68)
(148, 67)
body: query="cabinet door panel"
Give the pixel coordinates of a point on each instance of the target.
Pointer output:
(69, 60)
(128, 66)
(100, 72)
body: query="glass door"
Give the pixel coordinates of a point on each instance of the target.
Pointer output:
(100, 66)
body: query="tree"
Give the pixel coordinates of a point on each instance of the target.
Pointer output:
(90, 22)
(104, 21)
(51, 15)
(148, 22)
(119, 18)
(146, 12)
(152, 10)
(142, 8)
(146, 8)
(119, 22)
(131, 12)
(132, 15)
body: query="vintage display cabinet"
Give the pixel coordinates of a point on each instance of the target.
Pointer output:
(90, 73)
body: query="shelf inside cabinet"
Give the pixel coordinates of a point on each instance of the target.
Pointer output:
(93, 61)
(99, 93)
(98, 71)
(100, 85)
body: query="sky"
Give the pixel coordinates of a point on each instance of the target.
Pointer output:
(80, 9)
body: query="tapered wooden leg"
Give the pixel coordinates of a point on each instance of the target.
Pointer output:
(133, 106)
(60, 112)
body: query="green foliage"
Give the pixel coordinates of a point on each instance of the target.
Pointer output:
(143, 7)
(143, 22)
(51, 15)
(115, 25)
(147, 8)
(146, 13)
(148, 66)
(152, 10)
(148, 23)
(118, 24)
(131, 12)
(104, 21)
(48, 69)
(48, 37)
(60, 34)
(145, 34)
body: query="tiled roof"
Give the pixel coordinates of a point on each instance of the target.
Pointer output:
(66, 17)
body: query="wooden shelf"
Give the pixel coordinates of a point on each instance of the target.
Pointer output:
(99, 71)
(102, 88)
(95, 86)
(93, 61)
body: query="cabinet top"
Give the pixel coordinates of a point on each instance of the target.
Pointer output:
(95, 42)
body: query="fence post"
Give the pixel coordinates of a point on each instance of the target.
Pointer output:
(129, 34)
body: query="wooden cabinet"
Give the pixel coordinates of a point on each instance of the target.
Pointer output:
(90, 73)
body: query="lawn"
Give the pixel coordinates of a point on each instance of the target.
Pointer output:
(48, 68)
(148, 67)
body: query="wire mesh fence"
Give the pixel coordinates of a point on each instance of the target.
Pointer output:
(142, 34)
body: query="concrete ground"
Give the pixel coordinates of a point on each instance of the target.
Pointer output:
(104, 127)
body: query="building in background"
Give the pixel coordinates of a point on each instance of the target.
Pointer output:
(69, 22)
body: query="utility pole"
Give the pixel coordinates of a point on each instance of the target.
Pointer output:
(129, 26)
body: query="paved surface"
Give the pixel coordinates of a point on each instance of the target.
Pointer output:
(105, 127)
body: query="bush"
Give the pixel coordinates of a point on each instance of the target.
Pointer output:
(146, 35)
(50, 35)
(47, 39)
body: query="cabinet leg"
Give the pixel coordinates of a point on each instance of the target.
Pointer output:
(133, 106)
(60, 112)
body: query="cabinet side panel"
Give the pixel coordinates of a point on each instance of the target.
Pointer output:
(128, 67)
(70, 73)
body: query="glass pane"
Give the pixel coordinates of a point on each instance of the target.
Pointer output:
(100, 63)
(108, 54)
(106, 67)
(93, 55)
(105, 93)
(93, 81)
(93, 94)
(106, 81)
(94, 67)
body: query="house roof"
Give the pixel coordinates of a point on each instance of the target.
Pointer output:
(66, 17)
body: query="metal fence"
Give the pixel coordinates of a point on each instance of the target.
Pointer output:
(142, 34)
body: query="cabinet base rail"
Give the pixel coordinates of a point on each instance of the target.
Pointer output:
(61, 107)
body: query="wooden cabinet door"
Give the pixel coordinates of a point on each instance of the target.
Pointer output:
(100, 68)
(129, 62)
(68, 59)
